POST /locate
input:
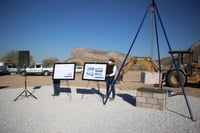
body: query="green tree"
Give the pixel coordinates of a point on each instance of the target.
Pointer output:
(12, 57)
(50, 61)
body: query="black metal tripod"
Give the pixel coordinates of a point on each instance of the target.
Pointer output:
(154, 11)
(26, 91)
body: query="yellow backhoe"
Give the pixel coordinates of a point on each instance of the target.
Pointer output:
(188, 70)
(146, 61)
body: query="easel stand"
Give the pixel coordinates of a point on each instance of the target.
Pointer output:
(98, 86)
(26, 91)
(95, 91)
(68, 86)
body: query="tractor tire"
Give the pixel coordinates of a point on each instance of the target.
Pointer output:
(173, 81)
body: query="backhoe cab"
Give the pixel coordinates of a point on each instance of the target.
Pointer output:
(188, 70)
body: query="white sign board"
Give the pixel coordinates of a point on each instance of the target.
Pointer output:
(64, 71)
(94, 71)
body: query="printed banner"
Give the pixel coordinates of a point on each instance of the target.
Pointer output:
(64, 71)
(94, 71)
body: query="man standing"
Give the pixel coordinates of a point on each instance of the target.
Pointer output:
(56, 87)
(110, 75)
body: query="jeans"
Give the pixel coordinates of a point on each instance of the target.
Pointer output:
(109, 85)
(56, 86)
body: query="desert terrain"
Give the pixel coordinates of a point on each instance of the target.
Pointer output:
(131, 82)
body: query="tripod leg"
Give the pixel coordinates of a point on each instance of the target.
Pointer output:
(19, 95)
(25, 91)
(31, 94)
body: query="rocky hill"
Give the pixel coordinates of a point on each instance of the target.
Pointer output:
(196, 51)
(81, 55)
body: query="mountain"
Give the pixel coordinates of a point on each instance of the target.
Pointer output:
(196, 51)
(81, 55)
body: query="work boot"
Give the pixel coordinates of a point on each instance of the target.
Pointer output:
(55, 95)
(112, 99)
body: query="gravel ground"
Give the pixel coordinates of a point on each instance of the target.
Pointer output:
(82, 111)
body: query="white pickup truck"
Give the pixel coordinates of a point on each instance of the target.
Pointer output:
(37, 69)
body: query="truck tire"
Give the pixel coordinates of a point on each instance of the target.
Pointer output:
(23, 73)
(46, 73)
(173, 81)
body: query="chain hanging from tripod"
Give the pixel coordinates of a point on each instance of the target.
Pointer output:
(152, 10)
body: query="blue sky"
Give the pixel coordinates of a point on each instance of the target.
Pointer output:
(53, 28)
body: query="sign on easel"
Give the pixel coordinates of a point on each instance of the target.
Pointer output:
(64, 71)
(94, 71)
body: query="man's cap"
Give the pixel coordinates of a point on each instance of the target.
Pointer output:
(111, 59)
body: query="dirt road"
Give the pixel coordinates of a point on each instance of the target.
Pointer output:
(131, 81)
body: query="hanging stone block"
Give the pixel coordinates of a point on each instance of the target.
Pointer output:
(149, 77)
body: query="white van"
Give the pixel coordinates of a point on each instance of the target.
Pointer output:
(3, 69)
(79, 69)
